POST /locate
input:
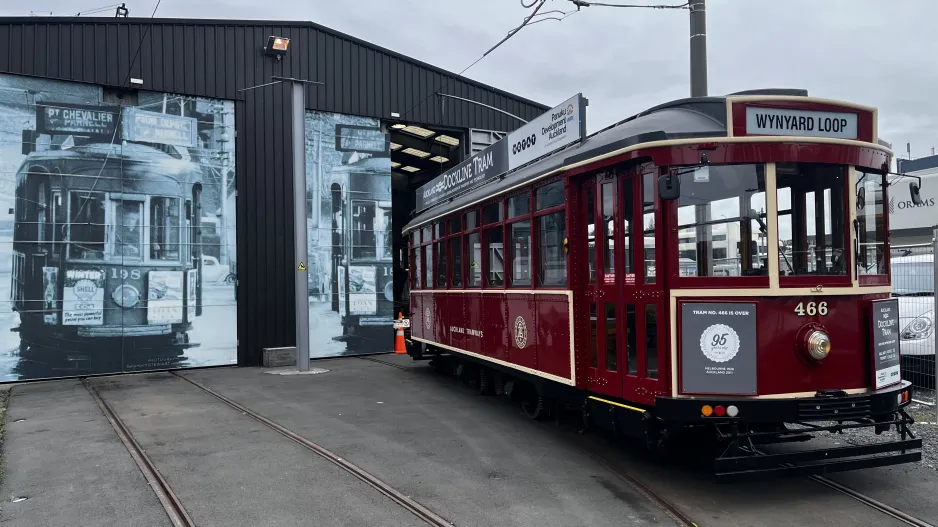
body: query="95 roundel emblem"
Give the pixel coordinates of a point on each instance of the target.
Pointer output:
(719, 343)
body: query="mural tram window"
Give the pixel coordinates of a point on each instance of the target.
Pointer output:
(119, 250)
(350, 273)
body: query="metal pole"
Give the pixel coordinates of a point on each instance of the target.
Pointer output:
(698, 48)
(934, 242)
(301, 288)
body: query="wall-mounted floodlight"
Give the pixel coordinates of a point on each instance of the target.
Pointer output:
(276, 46)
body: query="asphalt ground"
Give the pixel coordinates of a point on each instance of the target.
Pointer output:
(474, 460)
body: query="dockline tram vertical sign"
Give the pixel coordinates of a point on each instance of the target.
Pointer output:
(550, 131)
(718, 347)
(885, 327)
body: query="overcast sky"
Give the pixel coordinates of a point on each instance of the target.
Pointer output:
(876, 52)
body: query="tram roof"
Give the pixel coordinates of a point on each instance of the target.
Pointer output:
(130, 156)
(679, 119)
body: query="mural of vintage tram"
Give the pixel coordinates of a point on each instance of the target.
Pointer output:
(106, 250)
(362, 258)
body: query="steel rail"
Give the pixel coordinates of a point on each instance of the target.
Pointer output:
(671, 510)
(878, 505)
(398, 497)
(168, 499)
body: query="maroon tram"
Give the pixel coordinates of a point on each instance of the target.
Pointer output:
(749, 309)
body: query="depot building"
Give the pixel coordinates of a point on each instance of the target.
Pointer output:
(147, 187)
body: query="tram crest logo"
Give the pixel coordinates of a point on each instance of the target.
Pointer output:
(426, 318)
(521, 333)
(719, 343)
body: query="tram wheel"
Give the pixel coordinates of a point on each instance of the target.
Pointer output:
(484, 383)
(535, 407)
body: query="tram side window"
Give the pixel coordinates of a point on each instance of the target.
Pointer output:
(551, 260)
(648, 226)
(415, 255)
(520, 253)
(722, 229)
(164, 228)
(86, 230)
(812, 215)
(496, 253)
(428, 257)
(455, 249)
(474, 254)
(364, 237)
(440, 256)
(870, 190)
(550, 195)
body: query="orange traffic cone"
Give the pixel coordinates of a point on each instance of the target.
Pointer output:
(399, 347)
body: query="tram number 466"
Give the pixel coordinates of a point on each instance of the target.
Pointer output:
(811, 309)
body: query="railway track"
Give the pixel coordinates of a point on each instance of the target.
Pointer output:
(414, 507)
(164, 493)
(174, 507)
(681, 518)
(875, 504)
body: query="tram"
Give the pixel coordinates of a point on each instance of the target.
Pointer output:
(752, 316)
(105, 254)
(361, 250)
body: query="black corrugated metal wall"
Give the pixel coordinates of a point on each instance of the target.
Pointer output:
(217, 59)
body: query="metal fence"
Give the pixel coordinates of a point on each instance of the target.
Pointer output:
(913, 284)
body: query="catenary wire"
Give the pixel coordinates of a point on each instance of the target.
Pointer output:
(511, 33)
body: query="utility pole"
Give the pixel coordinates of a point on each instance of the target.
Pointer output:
(698, 48)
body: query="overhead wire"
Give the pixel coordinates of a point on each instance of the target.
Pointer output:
(97, 10)
(584, 3)
(537, 4)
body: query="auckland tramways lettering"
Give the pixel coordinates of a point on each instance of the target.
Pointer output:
(464, 331)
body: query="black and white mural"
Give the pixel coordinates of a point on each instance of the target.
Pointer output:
(117, 230)
(351, 290)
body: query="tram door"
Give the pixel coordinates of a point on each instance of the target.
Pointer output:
(624, 296)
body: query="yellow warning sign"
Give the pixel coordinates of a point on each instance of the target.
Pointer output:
(301, 267)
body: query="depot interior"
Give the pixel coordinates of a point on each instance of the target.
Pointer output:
(418, 154)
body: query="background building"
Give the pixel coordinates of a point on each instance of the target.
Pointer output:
(147, 100)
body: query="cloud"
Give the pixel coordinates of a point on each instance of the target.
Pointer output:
(627, 60)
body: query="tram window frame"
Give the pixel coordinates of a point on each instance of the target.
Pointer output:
(809, 279)
(537, 216)
(102, 199)
(490, 226)
(523, 197)
(453, 231)
(471, 228)
(674, 266)
(863, 176)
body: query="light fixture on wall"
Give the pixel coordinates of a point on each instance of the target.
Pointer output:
(276, 46)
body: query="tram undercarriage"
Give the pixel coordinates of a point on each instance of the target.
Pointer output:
(73, 351)
(736, 447)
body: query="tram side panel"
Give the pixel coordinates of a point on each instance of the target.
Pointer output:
(530, 333)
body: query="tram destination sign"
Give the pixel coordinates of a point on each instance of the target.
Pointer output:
(549, 132)
(718, 348)
(810, 123)
(884, 325)
(160, 128)
(99, 121)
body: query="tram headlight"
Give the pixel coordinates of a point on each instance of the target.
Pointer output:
(125, 295)
(819, 344)
(920, 328)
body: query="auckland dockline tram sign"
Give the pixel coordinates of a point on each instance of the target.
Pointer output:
(550, 131)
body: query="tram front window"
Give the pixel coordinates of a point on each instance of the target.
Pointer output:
(127, 228)
(812, 231)
(86, 227)
(721, 220)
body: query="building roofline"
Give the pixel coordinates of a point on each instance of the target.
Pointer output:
(35, 20)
